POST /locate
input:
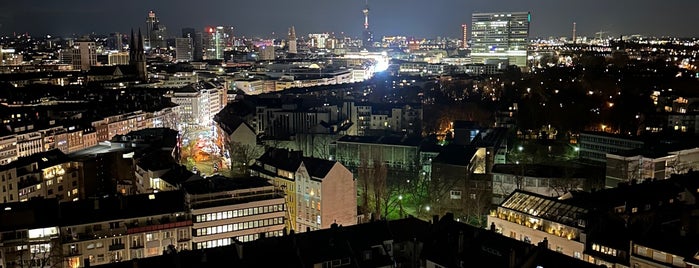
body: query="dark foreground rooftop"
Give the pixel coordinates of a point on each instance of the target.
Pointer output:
(408, 242)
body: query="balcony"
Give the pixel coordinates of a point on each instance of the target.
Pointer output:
(72, 253)
(116, 247)
(157, 227)
(106, 233)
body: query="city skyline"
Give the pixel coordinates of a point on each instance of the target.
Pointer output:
(389, 17)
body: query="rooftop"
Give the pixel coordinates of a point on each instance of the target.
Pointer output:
(121, 207)
(43, 160)
(549, 208)
(383, 140)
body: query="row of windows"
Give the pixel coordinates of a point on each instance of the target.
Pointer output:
(238, 226)
(213, 243)
(605, 250)
(228, 241)
(238, 213)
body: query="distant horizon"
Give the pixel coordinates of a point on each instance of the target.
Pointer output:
(411, 18)
(305, 35)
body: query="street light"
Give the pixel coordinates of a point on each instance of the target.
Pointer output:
(427, 208)
(520, 148)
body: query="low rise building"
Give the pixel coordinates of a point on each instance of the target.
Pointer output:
(318, 192)
(43, 175)
(600, 226)
(226, 210)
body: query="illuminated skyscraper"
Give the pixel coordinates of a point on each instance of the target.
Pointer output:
(367, 36)
(292, 41)
(500, 36)
(464, 36)
(318, 40)
(229, 37)
(155, 32)
(114, 41)
(183, 49)
(197, 45)
(215, 43)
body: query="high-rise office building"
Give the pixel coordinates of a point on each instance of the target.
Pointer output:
(183, 49)
(318, 40)
(464, 36)
(114, 41)
(197, 47)
(156, 33)
(292, 41)
(500, 36)
(198, 44)
(215, 43)
(229, 38)
(84, 55)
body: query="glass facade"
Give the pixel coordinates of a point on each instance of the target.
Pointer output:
(501, 36)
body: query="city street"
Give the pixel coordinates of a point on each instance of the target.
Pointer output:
(204, 153)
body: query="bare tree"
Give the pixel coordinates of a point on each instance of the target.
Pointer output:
(560, 186)
(242, 156)
(379, 183)
(567, 183)
(398, 190)
(43, 255)
(677, 166)
(506, 187)
(476, 203)
(364, 173)
(321, 145)
(372, 180)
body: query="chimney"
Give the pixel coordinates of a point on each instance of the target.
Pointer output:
(492, 227)
(544, 243)
(308, 229)
(435, 219)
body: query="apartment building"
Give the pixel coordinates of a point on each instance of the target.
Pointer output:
(317, 192)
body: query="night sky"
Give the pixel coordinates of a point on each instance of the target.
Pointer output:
(418, 18)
